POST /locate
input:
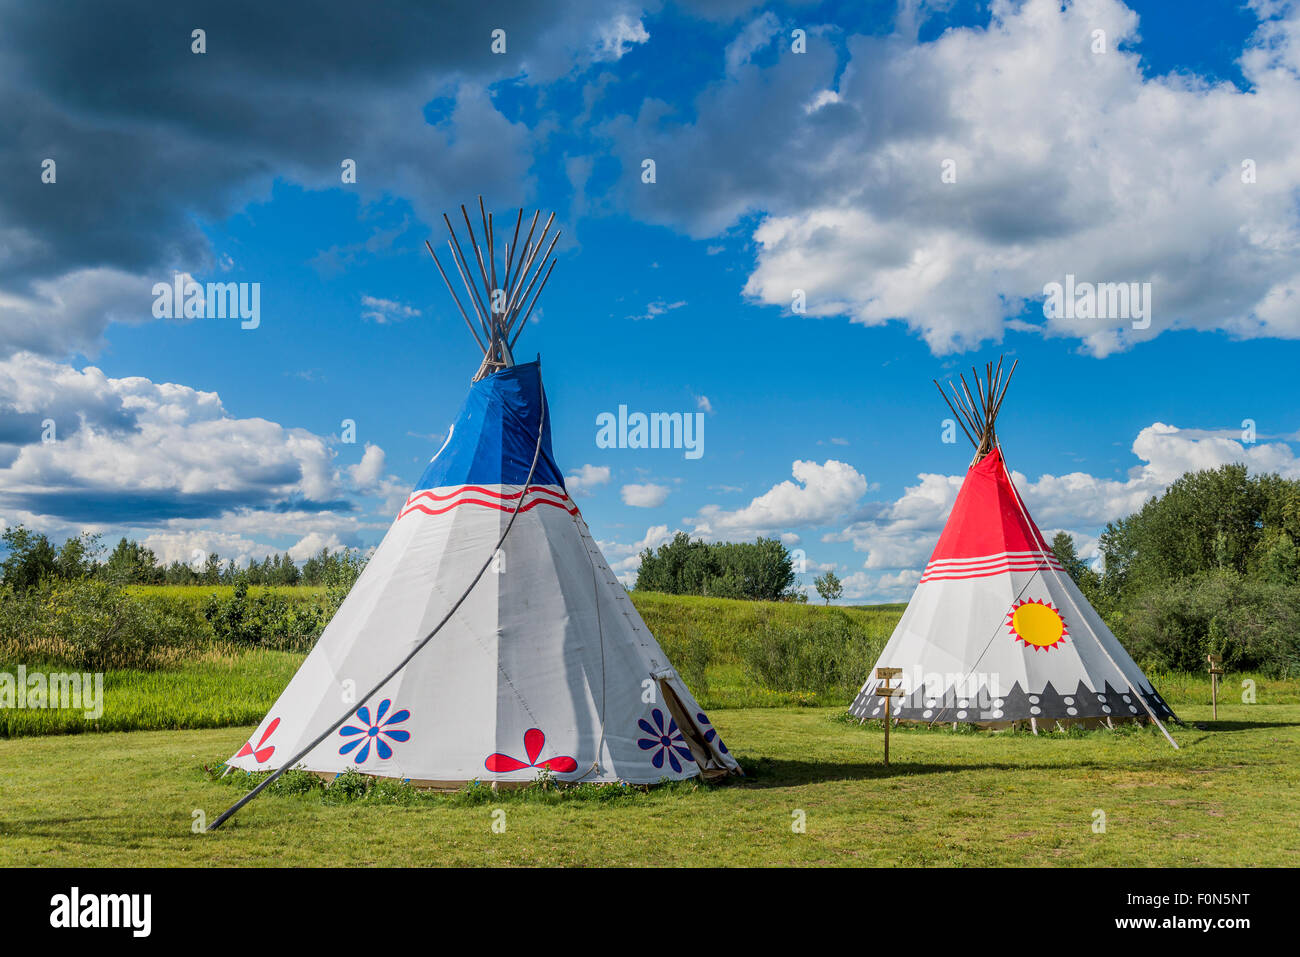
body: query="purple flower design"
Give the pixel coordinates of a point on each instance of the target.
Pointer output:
(374, 732)
(710, 733)
(664, 742)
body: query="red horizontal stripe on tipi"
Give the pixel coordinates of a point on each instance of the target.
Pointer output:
(433, 503)
(987, 518)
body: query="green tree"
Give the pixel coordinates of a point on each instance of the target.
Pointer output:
(1210, 565)
(829, 586)
(132, 564)
(760, 570)
(1207, 520)
(76, 557)
(1089, 581)
(679, 567)
(326, 566)
(1063, 549)
(179, 573)
(30, 559)
(287, 572)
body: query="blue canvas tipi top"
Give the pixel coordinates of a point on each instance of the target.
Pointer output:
(495, 434)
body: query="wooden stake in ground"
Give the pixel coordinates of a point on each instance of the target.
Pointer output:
(886, 691)
(1216, 669)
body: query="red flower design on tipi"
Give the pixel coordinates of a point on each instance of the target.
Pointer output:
(534, 741)
(260, 754)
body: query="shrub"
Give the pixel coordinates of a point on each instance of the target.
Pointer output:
(691, 654)
(351, 785)
(826, 653)
(88, 624)
(1254, 625)
(269, 619)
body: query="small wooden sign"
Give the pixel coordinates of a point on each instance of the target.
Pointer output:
(1216, 669)
(886, 691)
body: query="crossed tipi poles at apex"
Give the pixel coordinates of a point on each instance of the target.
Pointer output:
(501, 302)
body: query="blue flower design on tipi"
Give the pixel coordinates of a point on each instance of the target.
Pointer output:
(377, 732)
(665, 742)
(710, 733)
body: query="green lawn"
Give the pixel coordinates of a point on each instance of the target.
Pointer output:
(1231, 796)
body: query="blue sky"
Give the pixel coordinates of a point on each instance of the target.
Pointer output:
(775, 170)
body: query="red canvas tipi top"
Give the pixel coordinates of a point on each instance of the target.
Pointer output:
(989, 531)
(988, 517)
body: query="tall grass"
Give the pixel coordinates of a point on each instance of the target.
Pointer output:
(222, 687)
(829, 656)
(94, 625)
(196, 595)
(724, 622)
(88, 624)
(732, 654)
(759, 654)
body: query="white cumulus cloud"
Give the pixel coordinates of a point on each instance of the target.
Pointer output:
(386, 311)
(820, 494)
(617, 36)
(586, 479)
(644, 495)
(1064, 161)
(367, 473)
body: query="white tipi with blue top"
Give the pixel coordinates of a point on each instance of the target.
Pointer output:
(545, 665)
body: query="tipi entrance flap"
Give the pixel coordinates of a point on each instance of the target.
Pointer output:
(711, 754)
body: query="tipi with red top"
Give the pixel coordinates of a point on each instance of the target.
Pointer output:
(997, 631)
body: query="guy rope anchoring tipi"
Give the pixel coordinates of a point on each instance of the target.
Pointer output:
(997, 633)
(487, 638)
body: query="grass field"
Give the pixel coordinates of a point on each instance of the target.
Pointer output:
(1231, 796)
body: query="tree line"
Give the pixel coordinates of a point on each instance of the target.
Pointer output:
(1212, 566)
(30, 558)
(761, 571)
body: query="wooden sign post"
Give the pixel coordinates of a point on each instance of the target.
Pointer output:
(886, 691)
(1216, 669)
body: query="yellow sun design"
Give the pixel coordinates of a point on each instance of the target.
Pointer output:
(1037, 624)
